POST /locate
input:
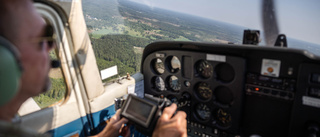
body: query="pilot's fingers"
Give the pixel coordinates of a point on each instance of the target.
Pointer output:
(168, 112)
(125, 131)
(119, 123)
(180, 119)
(180, 115)
(115, 117)
(184, 134)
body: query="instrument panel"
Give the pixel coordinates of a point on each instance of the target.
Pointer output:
(236, 90)
(212, 86)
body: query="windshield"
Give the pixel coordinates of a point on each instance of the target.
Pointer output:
(120, 29)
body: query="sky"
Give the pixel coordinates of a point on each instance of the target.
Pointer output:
(299, 19)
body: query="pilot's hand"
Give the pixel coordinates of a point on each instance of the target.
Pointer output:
(169, 126)
(115, 127)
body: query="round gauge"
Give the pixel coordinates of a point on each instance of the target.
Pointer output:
(204, 68)
(203, 111)
(175, 64)
(224, 72)
(159, 84)
(158, 65)
(223, 118)
(203, 91)
(174, 83)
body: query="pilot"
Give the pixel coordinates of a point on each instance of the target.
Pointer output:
(25, 63)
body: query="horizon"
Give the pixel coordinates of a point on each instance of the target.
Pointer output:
(304, 30)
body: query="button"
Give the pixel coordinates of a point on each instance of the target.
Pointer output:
(250, 88)
(187, 83)
(216, 131)
(257, 89)
(188, 129)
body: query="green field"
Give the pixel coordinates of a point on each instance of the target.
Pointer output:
(181, 38)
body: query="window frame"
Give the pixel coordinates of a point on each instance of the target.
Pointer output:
(62, 41)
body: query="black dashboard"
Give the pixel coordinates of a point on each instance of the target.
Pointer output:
(237, 90)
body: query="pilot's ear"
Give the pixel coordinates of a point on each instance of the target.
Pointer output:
(10, 71)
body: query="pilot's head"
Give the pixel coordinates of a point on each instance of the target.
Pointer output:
(27, 32)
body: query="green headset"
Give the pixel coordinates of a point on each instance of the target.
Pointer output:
(10, 71)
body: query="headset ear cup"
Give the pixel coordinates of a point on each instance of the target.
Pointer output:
(10, 74)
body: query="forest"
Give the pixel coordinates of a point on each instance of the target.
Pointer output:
(57, 90)
(56, 93)
(118, 50)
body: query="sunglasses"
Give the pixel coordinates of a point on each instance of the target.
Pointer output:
(48, 37)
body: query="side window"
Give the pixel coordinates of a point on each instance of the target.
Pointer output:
(58, 88)
(116, 41)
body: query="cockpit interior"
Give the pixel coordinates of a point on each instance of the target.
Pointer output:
(228, 87)
(233, 90)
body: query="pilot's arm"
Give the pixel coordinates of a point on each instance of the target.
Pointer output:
(167, 126)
